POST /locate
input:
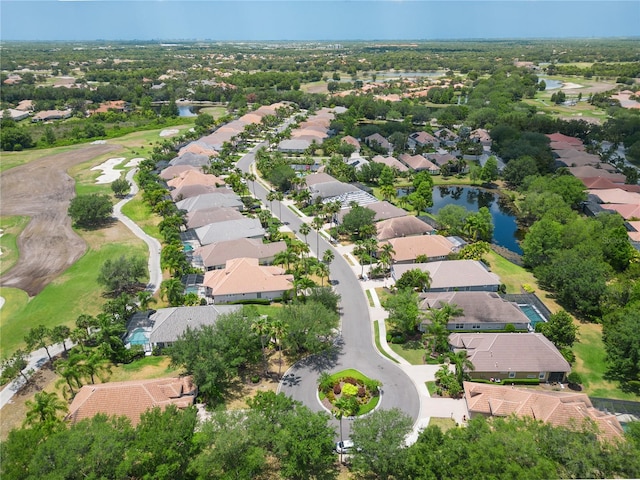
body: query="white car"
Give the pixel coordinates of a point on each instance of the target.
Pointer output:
(345, 446)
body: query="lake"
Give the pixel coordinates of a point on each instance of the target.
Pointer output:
(186, 111)
(505, 228)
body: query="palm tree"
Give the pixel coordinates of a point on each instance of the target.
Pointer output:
(317, 224)
(94, 365)
(59, 334)
(462, 363)
(328, 256)
(70, 372)
(43, 410)
(279, 197)
(342, 409)
(386, 255)
(305, 229)
(172, 290)
(86, 322)
(359, 250)
(285, 257)
(145, 298)
(278, 330)
(250, 177)
(261, 326)
(271, 196)
(388, 192)
(323, 271)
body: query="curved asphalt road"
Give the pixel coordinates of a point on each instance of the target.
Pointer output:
(355, 348)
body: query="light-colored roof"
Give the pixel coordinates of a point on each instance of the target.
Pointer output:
(331, 189)
(510, 352)
(594, 183)
(590, 172)
(297, 144)
(575, 153)
(131, 399)
(188, 191)
(316, 178)
(230, 230)
(562, 147)
(195, 177)
(565, 409)
(626, 211)
(245, 275)
(404, 226)
(351, 141)
(170, 323)
(391, 162)
(209, 200)
(206, 216)
(193, 159)
(440, 158)
(583, 160)
(379, 139)
(417, 162)
(220, 253)
(408, 248)
(617, 195)
(478, 307)
(635, 235)
(175, 171)
(423, 138)
(199, 148)
(453, 273)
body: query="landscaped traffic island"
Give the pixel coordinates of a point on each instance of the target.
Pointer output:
(348, 393)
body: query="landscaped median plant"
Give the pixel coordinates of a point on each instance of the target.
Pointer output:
(349, 391)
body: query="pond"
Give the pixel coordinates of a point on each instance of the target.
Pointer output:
(550, 83)
(505, 229)
(186, 111)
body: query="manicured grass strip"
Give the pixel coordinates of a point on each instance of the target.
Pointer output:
(370, 298)
(138, 211)
(376, 333)
(431, 387)
(74, 292)
(145, 368)
(11, 228)
(444, 423)
(415, 356)
(591, 364)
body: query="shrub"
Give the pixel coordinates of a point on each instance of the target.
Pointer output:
(528, 288)
(255, 378)
(331, 397)
(349, 390)
(509, 327)
(325, 382)
(337, 389)
(575, 378)
(372, 385)
(362, 392)
(350, 380)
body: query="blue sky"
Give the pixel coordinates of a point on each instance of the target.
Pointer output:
(316, 19)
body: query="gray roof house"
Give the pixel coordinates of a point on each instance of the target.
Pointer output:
(206, 216)
(294, 145)
(481, 310)
(454, 275)
(230, 230)
(504, 356)
(209, 200)
(215, 256)
(331, 189)
(380, 140)
(193, 159)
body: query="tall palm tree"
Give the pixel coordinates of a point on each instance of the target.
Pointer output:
(388, 192)
(278, 330)
(305, 229)
(317, 224)
(172, 290)
(322, 270)
(70, 372)
(261, 326)
(271, 196)
(342, 408)
(461, 361)
(145, 298)
(279, 198)
(328, 256)
(93, 366)
(44, 408)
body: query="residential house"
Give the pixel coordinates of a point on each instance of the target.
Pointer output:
(195, 177)
(14, 114)
(481, 311)
(206, 216)
(560, 409)
(433, 247)
(559, 137)
(175, 171)
(198, 147)
(317, 178)
(383, 210)
(244, 279)
(481, 136)
(505, 356)
(454, 275)
(402, 226)
(188, 191)
(419, 163)
(230, 230)
(356, 161)
(216, 255)
(294, 145)
(131, 399)
(421, 139)
(446, 137)
(327, 190)
(591, 172)
(48, 115)
(209, 200)
(617, 196)
(391, 162)
(378, 139)
(351, 141)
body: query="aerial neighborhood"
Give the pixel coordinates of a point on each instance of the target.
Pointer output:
(311, 260)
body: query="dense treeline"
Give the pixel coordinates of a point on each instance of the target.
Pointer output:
(279, 438)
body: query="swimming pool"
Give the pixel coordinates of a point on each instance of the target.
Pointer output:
(138, 337)
(532, 314)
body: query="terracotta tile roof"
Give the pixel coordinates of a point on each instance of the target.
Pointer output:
(423, 138)
(590, 172)
(188, 191)
(561, 147)
(379, 139)
(404, 226)
(175, 171)
(617, 195)
(131, 399)
(515, 352)
(417, 162)
(220, 253)
(245, 275)
(199, 148)
(559, 137)
(634, 235)
(391, 162)
(195, 177)
(626, 211)
(351, 141)
(597, 183)
(408, 248)
(561, 409)
(580, 159)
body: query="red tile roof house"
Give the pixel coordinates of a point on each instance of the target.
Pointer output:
(481, 311)
(560, 409)
(391, 162)
(216, 255)
(351, 141)
(419, 163)
(507, 356)
(559, 137)
(244, 279)
(131, 399)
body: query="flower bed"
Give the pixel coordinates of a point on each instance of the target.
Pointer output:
(348, 393)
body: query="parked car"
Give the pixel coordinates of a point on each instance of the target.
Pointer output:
(344, 446)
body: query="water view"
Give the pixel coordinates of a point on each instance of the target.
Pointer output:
(505, 228)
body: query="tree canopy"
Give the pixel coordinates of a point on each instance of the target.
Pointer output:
(92, 210)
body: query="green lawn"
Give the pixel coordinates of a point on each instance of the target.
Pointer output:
(215, 112)
(376, 332)
(11, 228)
(444, 423)
(412, 351)
(138, 211)
(431, 387)
(591, 364)
(74, 292)
(512, 275)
